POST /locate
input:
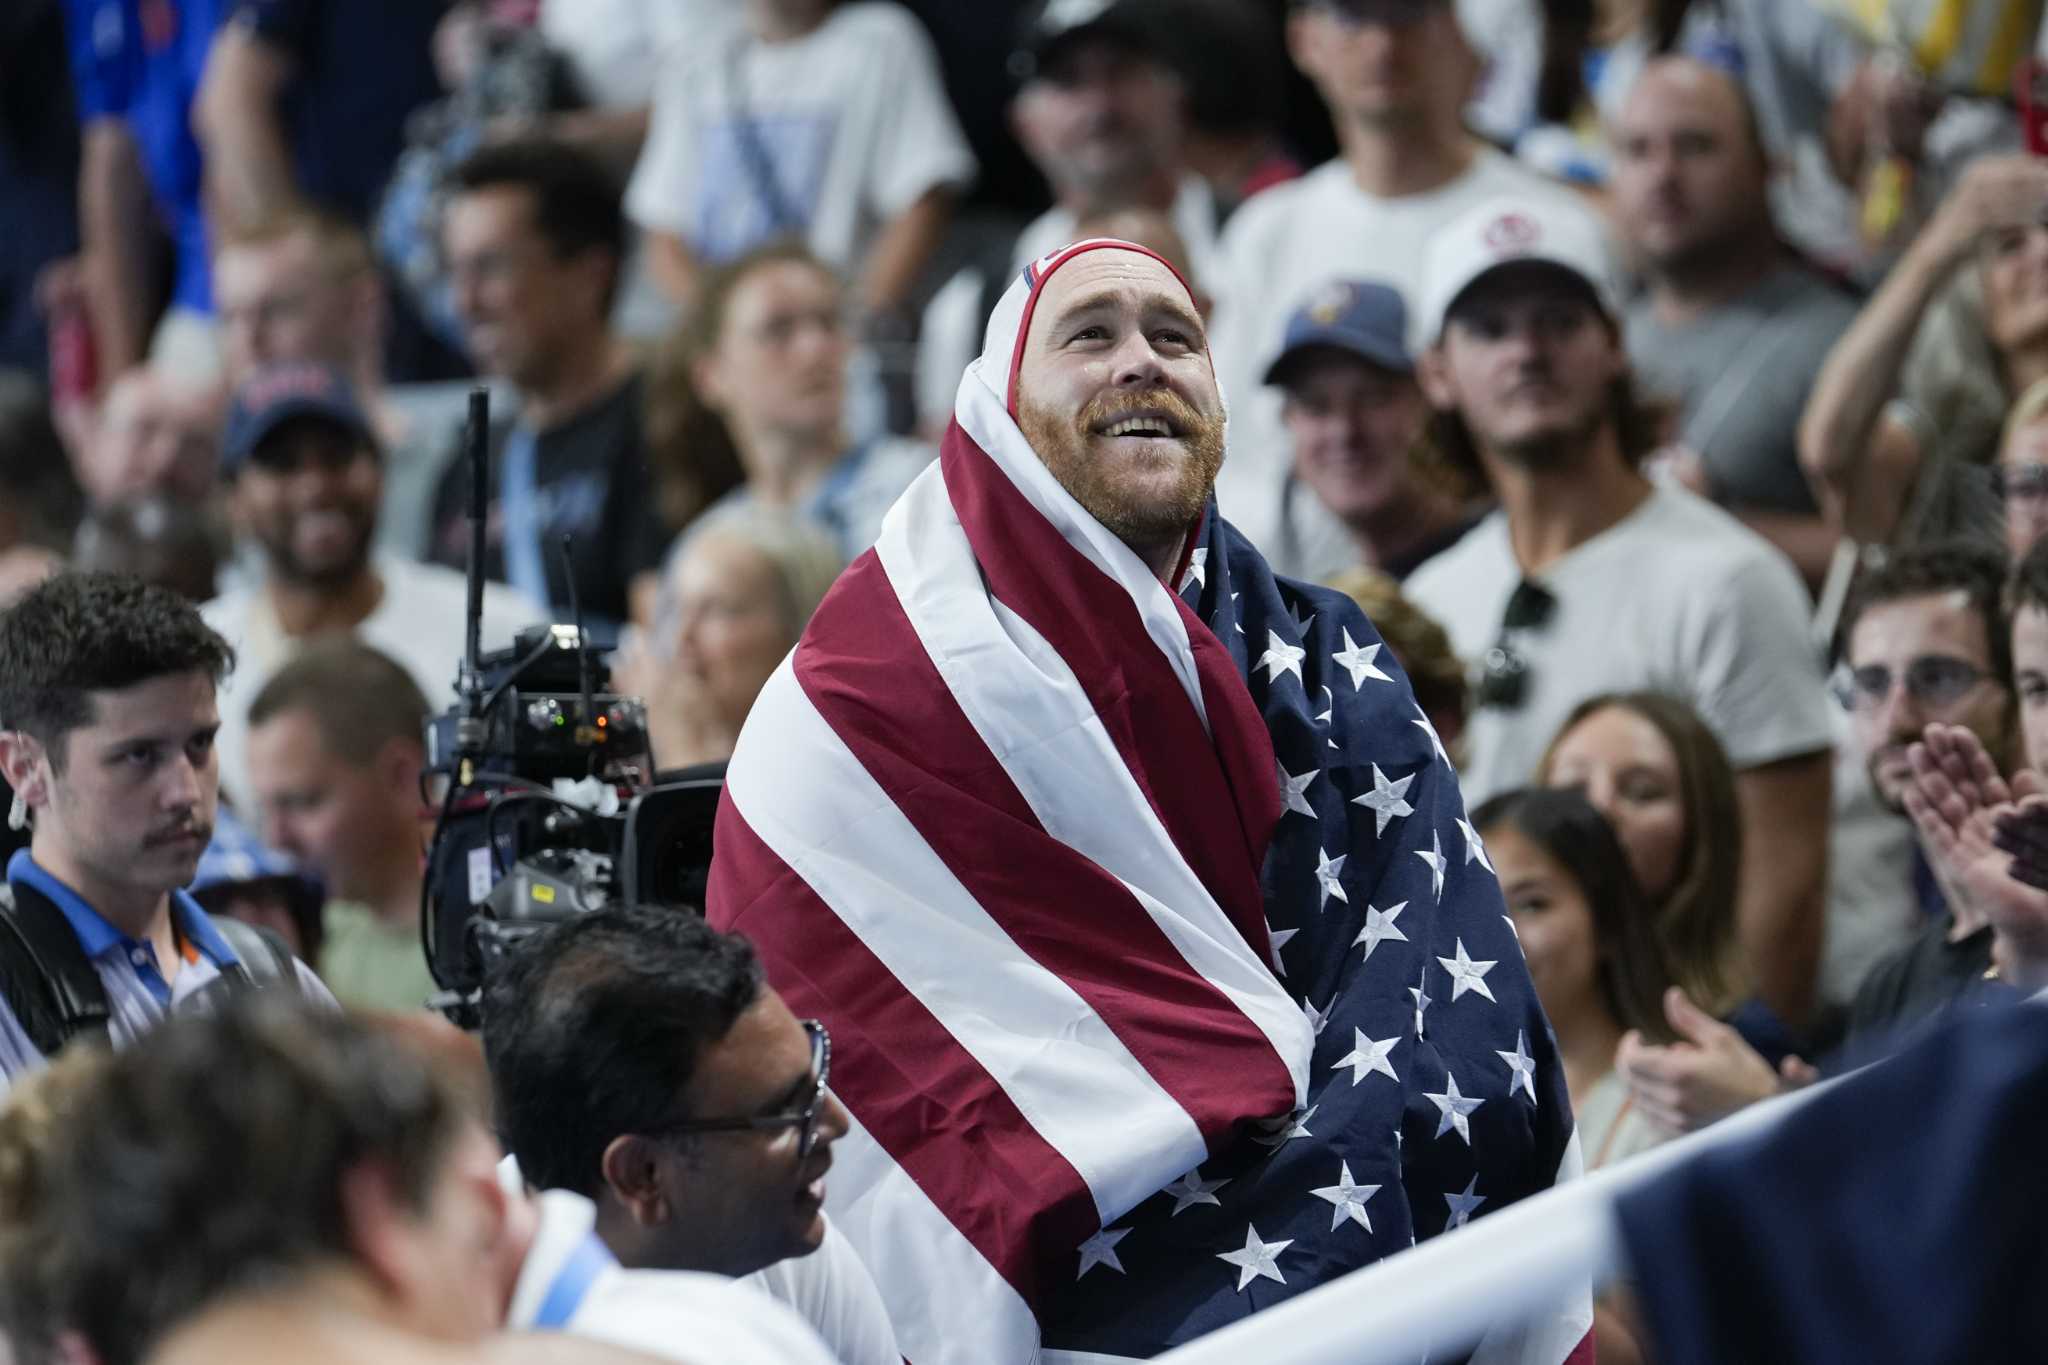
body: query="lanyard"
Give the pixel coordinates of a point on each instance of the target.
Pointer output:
(519, 494)
(572, 1282)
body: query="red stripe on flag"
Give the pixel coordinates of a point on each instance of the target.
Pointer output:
(864, 668)
(1217, 798)
(932, 1107)
(1583, 1353)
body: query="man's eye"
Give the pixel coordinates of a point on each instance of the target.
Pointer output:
(1091, 334)
(1172, 337)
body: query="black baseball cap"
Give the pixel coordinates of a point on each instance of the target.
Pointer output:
(1054, 27)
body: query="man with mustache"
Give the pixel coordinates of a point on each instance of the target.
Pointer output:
(1164, 974)
(1592, 578)
(107, 724)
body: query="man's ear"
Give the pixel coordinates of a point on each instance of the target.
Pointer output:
(631, 1167)
(22, 761)
(374, 1222)
(1433, 374)
(399, 764)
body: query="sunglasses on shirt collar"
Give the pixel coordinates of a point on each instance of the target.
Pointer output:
(1504, 672)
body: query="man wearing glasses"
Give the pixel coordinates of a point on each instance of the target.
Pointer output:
(639, 1059)
(1927, 643)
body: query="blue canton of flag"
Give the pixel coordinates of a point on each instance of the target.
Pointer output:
(1436, 1094)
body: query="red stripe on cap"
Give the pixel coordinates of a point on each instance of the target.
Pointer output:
(933, 1108)
(1037, 283)
(865, 670)
(1217, 797)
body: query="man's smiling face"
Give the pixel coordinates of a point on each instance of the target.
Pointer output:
(1117, 396)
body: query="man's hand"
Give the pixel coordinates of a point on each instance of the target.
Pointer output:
(1988, 841)
(1993, 194)
(1708, 1074)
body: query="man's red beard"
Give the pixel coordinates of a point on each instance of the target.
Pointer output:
(1137, 516)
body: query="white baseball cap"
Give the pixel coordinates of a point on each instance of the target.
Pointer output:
(1547, 229)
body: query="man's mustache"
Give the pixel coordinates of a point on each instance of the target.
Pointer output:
(1108, 408)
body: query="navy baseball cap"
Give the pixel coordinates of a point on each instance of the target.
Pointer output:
(285, 393)
(1358, 317)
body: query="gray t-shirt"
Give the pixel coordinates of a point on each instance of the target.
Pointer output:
(1741, 375)
(1676, 597)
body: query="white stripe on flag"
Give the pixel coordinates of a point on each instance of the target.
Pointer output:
(951, 1308)
(1040, 1041)
(987, 422)
(1034, 716)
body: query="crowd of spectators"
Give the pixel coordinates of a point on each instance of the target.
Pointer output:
(1708, 531)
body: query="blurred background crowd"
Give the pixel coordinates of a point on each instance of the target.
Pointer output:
(721, 264)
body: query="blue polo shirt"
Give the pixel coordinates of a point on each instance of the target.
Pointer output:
(138, 996)
(140, 61)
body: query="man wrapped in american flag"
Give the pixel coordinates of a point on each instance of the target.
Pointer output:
(1165, 974)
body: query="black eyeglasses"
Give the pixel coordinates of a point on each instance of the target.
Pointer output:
(1504, 673)
(2020, 482)
(804, 1120)
(1931, 680)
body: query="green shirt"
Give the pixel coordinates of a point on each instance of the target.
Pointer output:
(371, 964)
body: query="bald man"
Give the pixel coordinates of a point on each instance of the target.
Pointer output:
(1165, 974)
(1732, 327)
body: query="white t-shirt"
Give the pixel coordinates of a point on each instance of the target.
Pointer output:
(1277, 250)
(675, 1314)
(418, 622)
(1677, 597)
(830, 1289)
(849, 124)
(616, 47)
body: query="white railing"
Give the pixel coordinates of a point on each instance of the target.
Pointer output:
(1441, 1298)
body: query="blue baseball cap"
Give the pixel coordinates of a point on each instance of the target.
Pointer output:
(236, 855)
(1354, 316)
(286, 393)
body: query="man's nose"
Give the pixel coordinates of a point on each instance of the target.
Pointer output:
(183, 785)
(1900, 714)
(1137, 364)
(832, 1120)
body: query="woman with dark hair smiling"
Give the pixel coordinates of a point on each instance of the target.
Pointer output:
(1592, 948)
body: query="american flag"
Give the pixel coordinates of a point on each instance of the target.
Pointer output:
(1165, 975)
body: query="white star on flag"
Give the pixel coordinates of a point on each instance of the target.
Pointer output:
(1463, 1206)
(1292, 785)
(1357, 660)
(1422, 1001)
(1317, 1020)
(1278, 938)
(1329, 708)
(1348, 1197)
(1294, 1126)
(1521, 1064)
(1191, 1190)
(1385, 800)
(1281, 657)
(1198, 569)
(1379, 926)
(1513, 930)
(1467, 975)
(1435, 741)
(1256, 1260)
(1301, 624)
(1435, 858)
(1237, 626)
(1454, 1109)
(1327, 870)
(1101, 1250)
(1367, 1055)
(1475, 849)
